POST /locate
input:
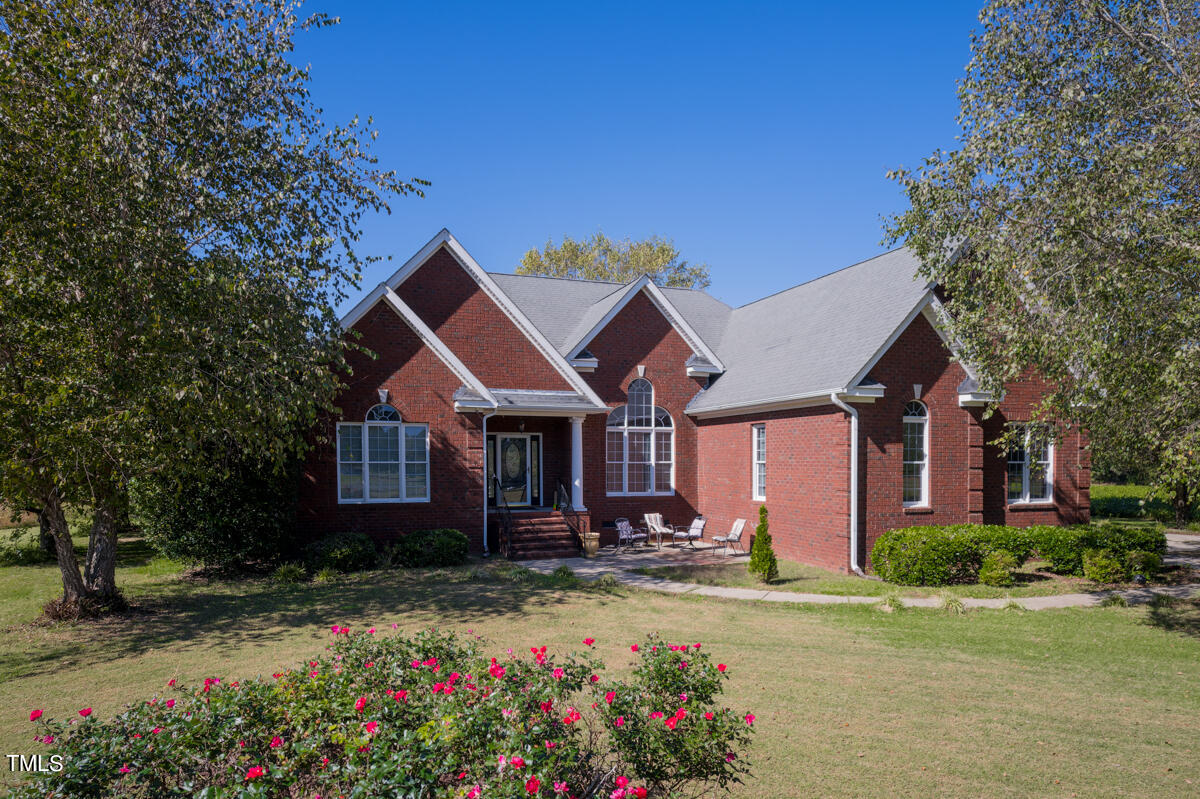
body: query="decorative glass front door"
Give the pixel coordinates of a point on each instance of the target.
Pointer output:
(514, 460)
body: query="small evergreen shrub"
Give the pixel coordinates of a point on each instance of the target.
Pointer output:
(1103, 566)
(1063, 547)
(289, 574)
(343, 552)
(1147, 564)
(428, 715)
(441, 547)
(763, 562)
(1016, 541)
(997, 569)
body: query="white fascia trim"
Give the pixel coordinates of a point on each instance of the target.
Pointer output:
(664, 306)
(775, 404)
(585, 364)
(497, 295)
(438, 346)
(975, 399)
(935, 314)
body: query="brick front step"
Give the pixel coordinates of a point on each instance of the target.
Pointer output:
(534, 539)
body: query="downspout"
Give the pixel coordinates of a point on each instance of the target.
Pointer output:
(853, 414)
(483, 469)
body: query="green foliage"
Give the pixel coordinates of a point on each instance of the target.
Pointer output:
(997, 568)
(1147, 564)
(289, 574)
(327, 576)
(928, 555)
(957, 554)
(1067, 213)
(1114, 601)
(424, 548)
(342, 552)
(952, 605)
(20, 547)
(185, 229)
(427, 715)
(601, 258)
(232, 515)
(763, 562)
(1103, 566)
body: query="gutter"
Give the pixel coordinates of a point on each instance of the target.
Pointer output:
(853, 414)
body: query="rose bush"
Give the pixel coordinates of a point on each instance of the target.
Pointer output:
(422, 715)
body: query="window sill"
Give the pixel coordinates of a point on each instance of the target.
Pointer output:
(1041, 504)
(917, 509)
(643, 494)
(383, 501)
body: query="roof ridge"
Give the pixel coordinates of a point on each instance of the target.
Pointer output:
(559, 277)
(821, 277)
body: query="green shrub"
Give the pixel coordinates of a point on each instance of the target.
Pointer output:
(1016, 541)
(928, 555)
(240, 514)
(1064, 547)
(289, 574)
(423, 548)
(343, 552)
(1123, 539)
(997, 569)
(1103, 566)
(1144, 563)
(763, 562)
(391, 715)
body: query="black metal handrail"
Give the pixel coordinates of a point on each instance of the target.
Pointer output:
(562, 498)
(506, 521)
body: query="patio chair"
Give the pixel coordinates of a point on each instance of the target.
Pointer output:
(627, 534)
(690, 534)
(732, 540)
(656, 527)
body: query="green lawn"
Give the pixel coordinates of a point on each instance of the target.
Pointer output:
(850, 701)
(1129, 501)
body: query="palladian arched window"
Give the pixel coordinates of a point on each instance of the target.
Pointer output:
(383, 459)
(916, 454)
(641, 445)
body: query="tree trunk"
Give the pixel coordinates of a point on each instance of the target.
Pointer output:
(1182, 505)
(46, 535)
(100, 570)
(56, 521)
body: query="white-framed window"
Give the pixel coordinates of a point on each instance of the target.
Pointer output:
(915, 440)
(758, 461)
(383, 459)
(640, 458)
(1031, 466)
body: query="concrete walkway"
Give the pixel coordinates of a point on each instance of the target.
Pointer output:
(1181, 549)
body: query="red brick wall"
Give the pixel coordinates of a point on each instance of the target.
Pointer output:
(807, 492)
(421, 388)
(639, 335)
(475, 328)
(967, 474)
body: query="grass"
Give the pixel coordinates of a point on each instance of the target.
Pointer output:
(850, 701)
(1130, 501)
(1031, 580)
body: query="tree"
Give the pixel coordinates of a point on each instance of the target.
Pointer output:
(601, 258)
(762, 555)
(1065, 228)
(179, 226)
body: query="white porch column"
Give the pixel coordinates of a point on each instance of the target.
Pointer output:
(577, 463)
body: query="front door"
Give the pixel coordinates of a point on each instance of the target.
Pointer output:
(513, 459)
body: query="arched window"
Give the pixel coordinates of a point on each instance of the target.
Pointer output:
(641, 445)
(389, 462)
(916, 454)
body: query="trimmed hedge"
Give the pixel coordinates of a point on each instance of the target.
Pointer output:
(345, 552)
(441, 547)
(954, 554)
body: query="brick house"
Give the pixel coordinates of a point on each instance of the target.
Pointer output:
(837, 403)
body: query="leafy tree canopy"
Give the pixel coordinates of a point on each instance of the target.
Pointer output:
(601, 258)
(1075, 194)
(179, 224)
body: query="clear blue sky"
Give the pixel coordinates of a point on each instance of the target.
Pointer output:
(756, 135)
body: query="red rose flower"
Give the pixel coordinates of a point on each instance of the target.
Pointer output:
(532, 785)
(35, 715)
(254, 772)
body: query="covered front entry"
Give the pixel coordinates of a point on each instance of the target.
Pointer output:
(514, 460)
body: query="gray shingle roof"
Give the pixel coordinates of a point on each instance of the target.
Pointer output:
(815, 337)
(810, 339)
